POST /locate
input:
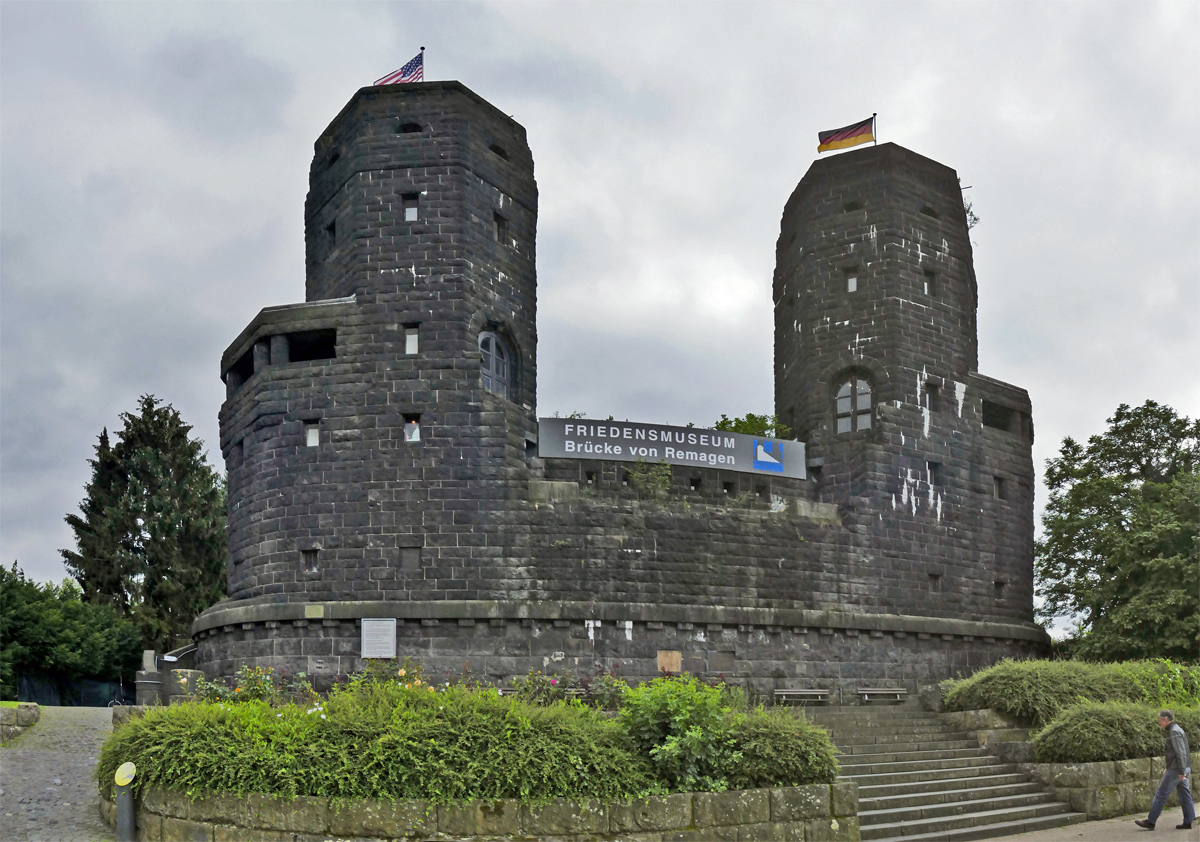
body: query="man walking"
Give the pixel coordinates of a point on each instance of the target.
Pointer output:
(1175, 776)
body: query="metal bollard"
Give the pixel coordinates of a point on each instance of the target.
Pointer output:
(126, 816)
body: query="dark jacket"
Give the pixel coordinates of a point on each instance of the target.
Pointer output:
(1179, 757)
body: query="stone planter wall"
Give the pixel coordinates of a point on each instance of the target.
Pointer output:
(1107, 789)
(817, 813)
(13, 721)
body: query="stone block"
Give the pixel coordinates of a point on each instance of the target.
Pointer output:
(930, 698)
(832, 830)
(8, 716)
(108, 812)
(231, 833)
(303, 814)
(1013, 752)
(183, 830)
(739, 806)
(149, 827)
(9, 732)
(28, 714)
(800, 803)
(1132, 771)
(770, 832)
(221, 809)
(564, 817)
(844, 799)
(501, 817)
(165, 803)
(1084, 775)
(1101, 802)
(664, 812)
(1138, 795)
(403, 818)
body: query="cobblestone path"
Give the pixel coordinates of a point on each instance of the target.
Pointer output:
(47, 792)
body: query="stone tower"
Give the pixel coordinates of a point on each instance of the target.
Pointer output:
(876, 354)
(361, 438)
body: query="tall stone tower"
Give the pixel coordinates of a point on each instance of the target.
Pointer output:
(365, 428)
(875, 366)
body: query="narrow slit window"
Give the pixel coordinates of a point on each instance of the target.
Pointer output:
(499, 151)
(501, 229)
(309, 560)
(312, 434)
(933, 471)
(999, 488)
(410, 128)
(933, 397)
(930, 283)
(624, 479)
(331, 232)
(935, 583)
(412, 207)
(411, 337)
(412, 428)
(852, 280)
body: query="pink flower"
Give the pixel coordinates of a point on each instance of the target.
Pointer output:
(554, 681)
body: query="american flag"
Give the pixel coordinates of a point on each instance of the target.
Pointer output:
(414, 71)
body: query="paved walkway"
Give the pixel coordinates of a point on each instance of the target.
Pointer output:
(1116, 830)
(47, 789)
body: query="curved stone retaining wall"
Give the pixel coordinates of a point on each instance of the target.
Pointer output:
(816, 813)
(1108, 788)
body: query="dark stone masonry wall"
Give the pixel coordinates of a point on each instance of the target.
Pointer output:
(420, 228)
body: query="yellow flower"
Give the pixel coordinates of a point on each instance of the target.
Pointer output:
(402, 671)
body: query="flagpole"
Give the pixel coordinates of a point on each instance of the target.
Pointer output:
(423, 65)
(874, 126)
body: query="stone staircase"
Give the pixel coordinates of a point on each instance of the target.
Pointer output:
(919, 780)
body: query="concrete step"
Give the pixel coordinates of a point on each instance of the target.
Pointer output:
(902, 789)
(990, 831)
(920, 775)
(891, 801)
(947, 824)
(856, 770)
(936, 745)
(907, 815)
(912, 756)
(887, 737)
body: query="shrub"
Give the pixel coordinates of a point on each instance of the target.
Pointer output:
(1037, 691)
(1094, 731)
(382, 739)
(256, 684)
(680, 725)
(779, 749)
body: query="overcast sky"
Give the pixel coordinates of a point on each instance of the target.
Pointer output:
(154, 161)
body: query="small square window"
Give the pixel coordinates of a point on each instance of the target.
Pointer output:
(590, 477)
(312, 434)
(308, 561)
(999, 488)
(411, 206)
(998, 588)
(412, 427)
(930, 283)
(694, 483)
(727, 488)
(760, 492)
(411, 335)
(624, 479)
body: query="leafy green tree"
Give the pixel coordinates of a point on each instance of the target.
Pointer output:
(755, 425)
(150, 536)
(50, 631)
(1120, 547)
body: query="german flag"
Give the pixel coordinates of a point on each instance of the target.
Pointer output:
(847, 136)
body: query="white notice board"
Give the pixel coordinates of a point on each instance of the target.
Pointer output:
(379, 638)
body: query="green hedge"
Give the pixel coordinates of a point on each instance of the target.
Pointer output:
(1095, 731)
(397, 736)
(1037, 691)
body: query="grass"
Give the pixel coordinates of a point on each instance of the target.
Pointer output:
(8, 704)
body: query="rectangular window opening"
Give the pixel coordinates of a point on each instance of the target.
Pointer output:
(998, 416)
(331, 232)
(934, 471)
(852, 281)
(312, 345)
(312, 434)
(411, 336)
(998, 588)
(308, 560)
(935, 582)
(933, 397)
(760, 492)
(412, 427)
(930, 283)
(624, 479)
(815, 473)
(999, 488)
(411, 206)
(590, 477)
(728, 488)
(501, 228)
(694, 483)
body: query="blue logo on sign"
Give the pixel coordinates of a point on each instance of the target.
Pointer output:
(768, 456)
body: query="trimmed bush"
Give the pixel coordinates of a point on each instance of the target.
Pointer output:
(384, 740)
(679, 724)
(775, 748)
(1037, 691)
(1096, 731)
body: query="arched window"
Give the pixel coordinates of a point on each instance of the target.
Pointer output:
(496, 364)
(853, 406)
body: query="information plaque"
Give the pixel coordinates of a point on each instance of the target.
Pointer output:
(379, 638)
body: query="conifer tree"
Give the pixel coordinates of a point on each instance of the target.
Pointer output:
(151, 539)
